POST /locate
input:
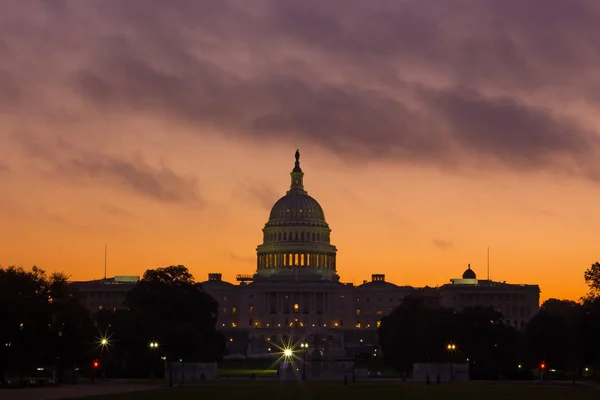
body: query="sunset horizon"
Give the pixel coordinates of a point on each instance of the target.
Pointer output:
(167, 133)
(241, 259)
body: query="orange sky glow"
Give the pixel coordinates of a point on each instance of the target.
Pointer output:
(169, 139)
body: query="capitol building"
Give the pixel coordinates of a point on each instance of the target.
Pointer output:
(296, 294)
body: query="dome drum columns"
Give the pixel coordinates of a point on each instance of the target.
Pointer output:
(294, 259)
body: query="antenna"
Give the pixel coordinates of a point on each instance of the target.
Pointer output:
(488, 263)
(104, 262)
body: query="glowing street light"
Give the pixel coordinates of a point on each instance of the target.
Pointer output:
(304, 347)
(103, 343)
(287, 352)
(451, 347)
(153, 345)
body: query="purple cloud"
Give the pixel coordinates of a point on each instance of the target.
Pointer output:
(438, 83)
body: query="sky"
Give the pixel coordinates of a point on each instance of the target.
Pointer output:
(429, 131)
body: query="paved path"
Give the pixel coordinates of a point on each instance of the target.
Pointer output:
(73, 391)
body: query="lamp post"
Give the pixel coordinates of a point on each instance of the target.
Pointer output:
(153, 346)
(451, 348)
(304, 347)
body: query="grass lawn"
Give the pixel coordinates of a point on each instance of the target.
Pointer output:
(383, 390)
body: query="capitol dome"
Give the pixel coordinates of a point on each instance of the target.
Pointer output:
(297, 209)
(296, 236)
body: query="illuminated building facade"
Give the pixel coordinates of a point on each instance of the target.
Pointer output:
(296, 294)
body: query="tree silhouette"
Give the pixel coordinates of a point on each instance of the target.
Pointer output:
(592, 278)
(182, 315)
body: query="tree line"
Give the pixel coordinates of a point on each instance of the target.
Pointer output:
(44, 324)
(168, 316)
(561, 339)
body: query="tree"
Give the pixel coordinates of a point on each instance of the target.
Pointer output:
(42, 322)
(182, 315)
(592, 278)
(555, 334)
(72, 328)
(490, 345)
(414, 332)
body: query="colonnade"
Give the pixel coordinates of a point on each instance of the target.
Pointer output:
(296, 259)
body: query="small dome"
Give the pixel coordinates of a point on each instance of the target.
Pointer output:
(469, 273)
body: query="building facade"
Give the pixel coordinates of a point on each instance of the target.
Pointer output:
(105, 294)
(296, 294)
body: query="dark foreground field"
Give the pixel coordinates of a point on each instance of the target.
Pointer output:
(369, 391)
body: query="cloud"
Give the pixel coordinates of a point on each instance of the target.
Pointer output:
(442, 244)
(132, 174)
(4, 167)
(116, 211)
(474, 84)
(258, 192)
(243, 259)
(41, 213)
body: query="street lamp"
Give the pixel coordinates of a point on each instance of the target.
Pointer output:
(451, 348)
(153, 345)
(304, 347)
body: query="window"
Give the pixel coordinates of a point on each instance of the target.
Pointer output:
(251, 308)
(225, 298)
(378, 324)
(233, 310)
(379, 312)
(296, 307)
(357, 311)
(250, 322)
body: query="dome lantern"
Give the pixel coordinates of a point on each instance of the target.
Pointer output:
(297, 185)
